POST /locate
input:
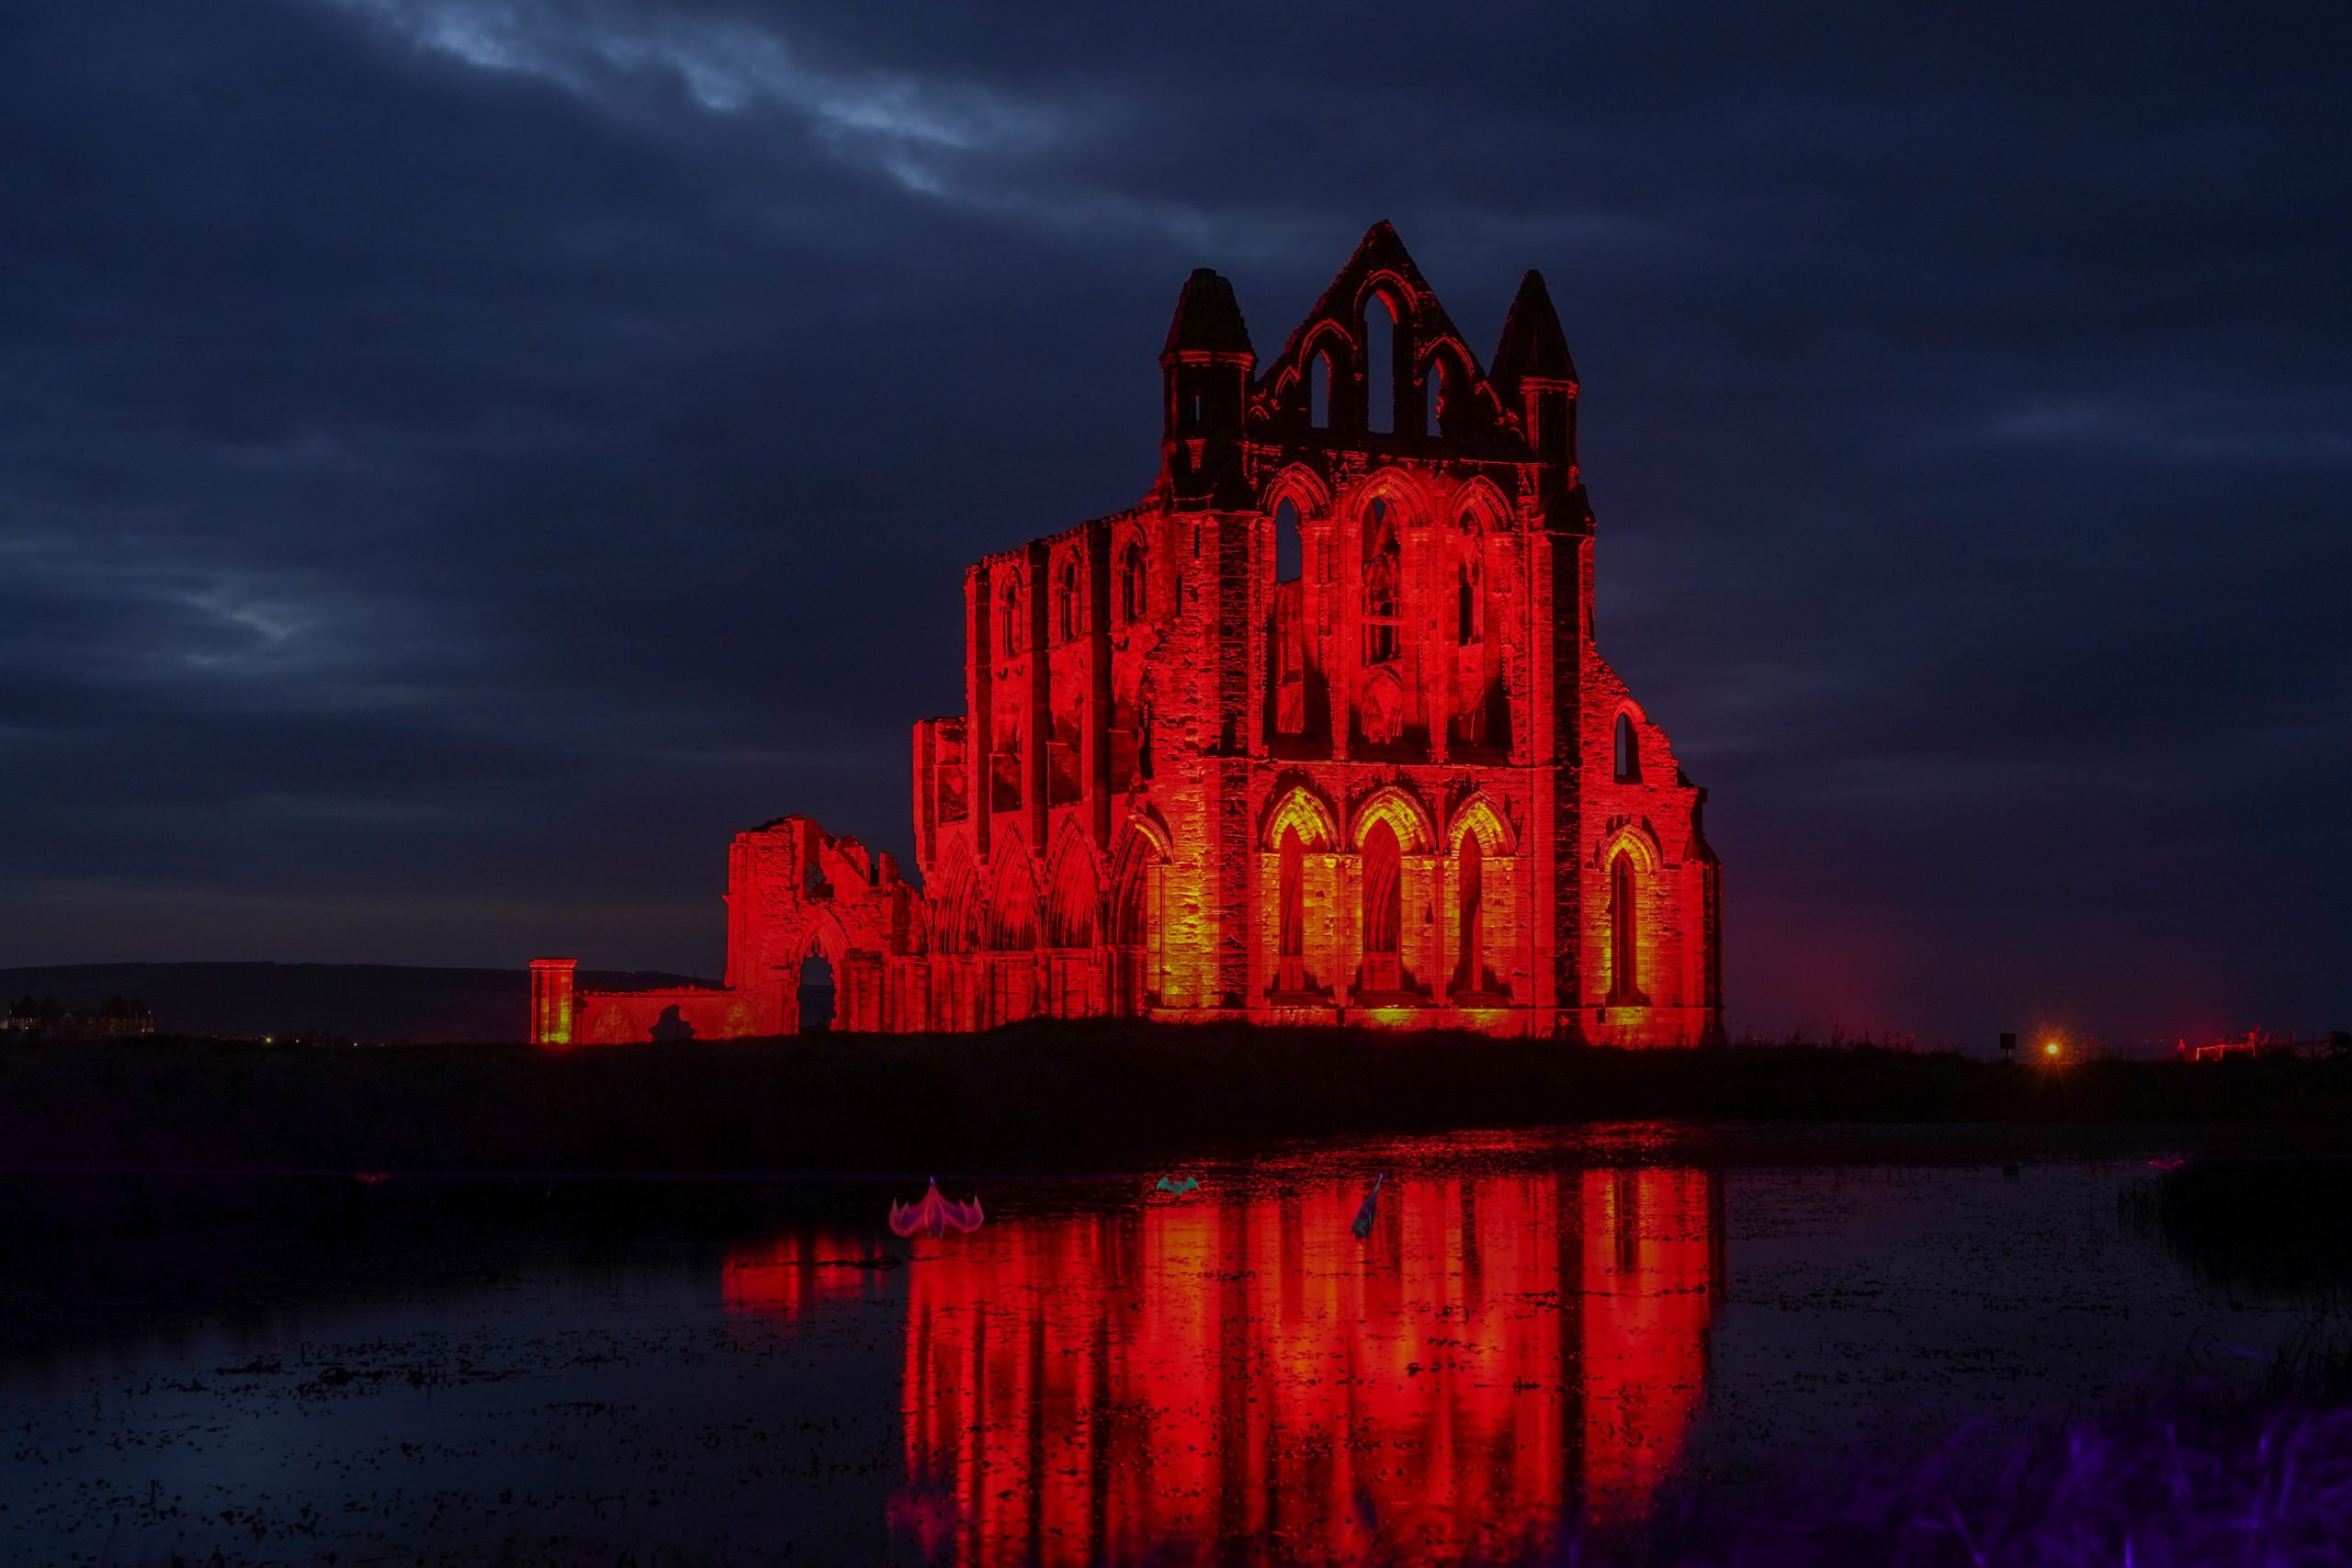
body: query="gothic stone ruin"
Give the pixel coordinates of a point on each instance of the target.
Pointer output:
(1315, 732)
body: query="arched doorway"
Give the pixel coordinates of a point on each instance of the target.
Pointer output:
(1624, 934)
(1137, 953)
(1290, 914)
(1470, 915)
(815, 994)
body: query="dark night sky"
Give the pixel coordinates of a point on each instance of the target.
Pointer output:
(462, 459)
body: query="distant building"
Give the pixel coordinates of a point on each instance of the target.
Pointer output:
(121, 1018)
(1317, 732)
(2262, 1042)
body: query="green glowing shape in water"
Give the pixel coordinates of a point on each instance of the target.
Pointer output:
(1364, 1216)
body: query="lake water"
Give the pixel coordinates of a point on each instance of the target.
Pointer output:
(1547, 1337)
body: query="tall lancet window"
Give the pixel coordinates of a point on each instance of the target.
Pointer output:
(1625, 936)
(1380, 574)
(1131, 582)
(1290, 902)
(1379, 340)
(1290, 551)
(1069, 606)
(1470, 915)
(1286, 630)
(1007, 618)
(1383, 909)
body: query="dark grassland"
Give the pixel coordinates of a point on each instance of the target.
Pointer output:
(1038, 1098)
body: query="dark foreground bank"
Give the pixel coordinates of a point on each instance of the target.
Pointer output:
(1038, 1098)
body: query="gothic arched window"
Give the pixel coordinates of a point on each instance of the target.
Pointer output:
(1625, 936)
(1380, 573)
(1007, 618)
(1379, 340)
(1286, 628)
(1629, 754)
(1131, 582)
(1290, 914)
(1069, 607)
(1470, 915)
(1291, 939)
(1470, 597)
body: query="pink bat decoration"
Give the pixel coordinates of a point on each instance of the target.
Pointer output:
(934, 1213)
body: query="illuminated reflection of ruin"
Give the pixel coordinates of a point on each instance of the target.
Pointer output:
(1507, 1354)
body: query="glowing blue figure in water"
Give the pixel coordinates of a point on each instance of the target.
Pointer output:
(1370, 1211)
(1189, 1184)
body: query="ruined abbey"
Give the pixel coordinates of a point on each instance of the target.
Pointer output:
(1316, 732)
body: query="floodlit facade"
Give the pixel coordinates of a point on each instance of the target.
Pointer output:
(1317, 732)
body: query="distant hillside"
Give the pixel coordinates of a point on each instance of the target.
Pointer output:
(359, 1002)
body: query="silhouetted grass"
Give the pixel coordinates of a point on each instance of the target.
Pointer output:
(1039, 1097)
(2237, 1458)
(2150, 1489)
(2279, 1226)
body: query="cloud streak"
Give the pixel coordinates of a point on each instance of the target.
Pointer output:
(911, 127)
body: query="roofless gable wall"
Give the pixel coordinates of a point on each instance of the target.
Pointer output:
(1207, 772)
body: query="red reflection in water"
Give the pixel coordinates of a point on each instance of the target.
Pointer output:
(792, 1273)
(1247, 1377)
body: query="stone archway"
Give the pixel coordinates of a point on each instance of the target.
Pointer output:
(814, 974)
(1135, 937)
(816, 993)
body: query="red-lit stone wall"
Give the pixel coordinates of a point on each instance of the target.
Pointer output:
(1317, 731)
